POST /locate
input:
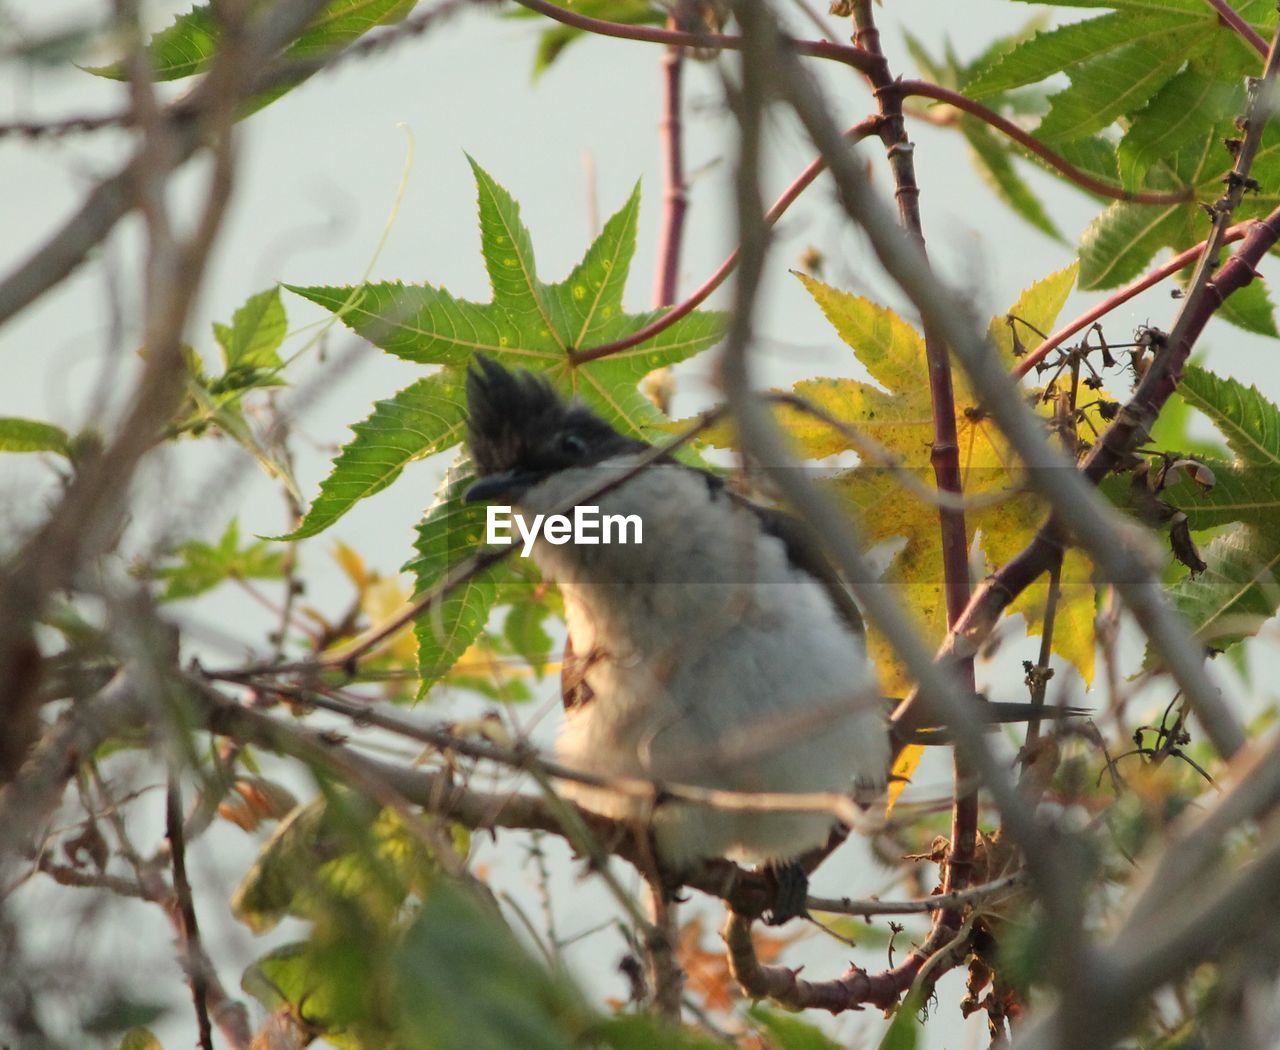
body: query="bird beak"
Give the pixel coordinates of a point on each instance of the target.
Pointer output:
(511, 484)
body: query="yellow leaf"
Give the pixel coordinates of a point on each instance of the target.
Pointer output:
(382, 600)
(898, 413)
(350, 562)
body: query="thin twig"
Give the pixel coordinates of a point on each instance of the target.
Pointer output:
(1119, 298)
(849, 56)
(188, 923)
(856, 133)
(1231, 17)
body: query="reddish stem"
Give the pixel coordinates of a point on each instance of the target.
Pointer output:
(1231, 17)
(945, 454)
(923, 89)
(1115, 299)
(855, 133)
(849, 56)
(675, 197)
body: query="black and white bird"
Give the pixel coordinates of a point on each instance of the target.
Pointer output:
(703, 655)
(721, 651)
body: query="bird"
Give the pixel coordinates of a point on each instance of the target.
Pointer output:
(721, 651)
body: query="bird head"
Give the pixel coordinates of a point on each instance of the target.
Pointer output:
(521, 431)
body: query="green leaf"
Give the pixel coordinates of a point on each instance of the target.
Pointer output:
(530, 324)
(1249, 422)
(1240, 493)
(1120, 82)
(525, 631)
(340, 851)
(336, 980)
(1184, 108)
(1067, 47)
(553, 41)
(1251, 309)
(464, 981)
(450, 533)
(995, 162)
(644, 1032)
(256, 331)
(189, 45)
(904, 1030)
(787, 1032)
(202, 566)
(419, 421)
(30, 435)
(1122, 240)
(1238, 592)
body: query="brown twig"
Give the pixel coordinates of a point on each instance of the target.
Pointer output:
(675, 193)
(1231, 17)
(945, 447)
(924, 89)
(802, 182)
(186, 920)
(1119, 298)
(849, 56)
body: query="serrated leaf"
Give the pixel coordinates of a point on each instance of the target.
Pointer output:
(1239, 590)
(419, 421)
(451, 532)
(1250, 308)
(1177, 115)
(1249, 421)
(899, 417)
(995, 163)
(202, 566)
(1240, 493)
(31, 435)
(188, 46)
(256, 331)
(1067, 47)
(530, 324)
(464, 980)
(1106, 88)
(1121, 241)
(553, 41)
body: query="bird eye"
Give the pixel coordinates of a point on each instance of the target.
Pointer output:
(573, 445)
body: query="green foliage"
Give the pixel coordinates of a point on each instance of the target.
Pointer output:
(199, 567)
(553, 41)
(339, 858)
(992, 152)
(30, 435)
(787, 1032)
(464, 980)
(1169, 74)
(904, 1030)
(254, 336)
(644, 1032)
(528, 324)
(417, 422)
(1240, 588)
(451, 532)
(188, 46)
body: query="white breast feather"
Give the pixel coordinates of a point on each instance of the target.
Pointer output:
(734, 671)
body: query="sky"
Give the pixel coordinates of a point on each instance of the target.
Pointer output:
(320, 172)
